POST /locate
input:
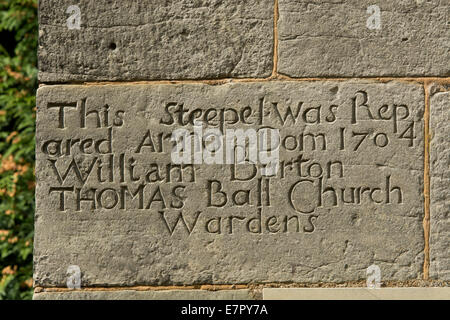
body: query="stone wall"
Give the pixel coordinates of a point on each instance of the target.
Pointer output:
(357, 93)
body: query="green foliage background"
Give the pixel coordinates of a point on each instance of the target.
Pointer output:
(18, 83)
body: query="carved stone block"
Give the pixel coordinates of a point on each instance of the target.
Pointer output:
(142, 40)
(346, 191)
(359, 38)
(440, 182)
(125, 294)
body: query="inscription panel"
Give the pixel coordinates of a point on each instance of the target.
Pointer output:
(142, 40)
(346, 192)
(355, 38)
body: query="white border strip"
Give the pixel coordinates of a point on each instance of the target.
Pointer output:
(428, 293)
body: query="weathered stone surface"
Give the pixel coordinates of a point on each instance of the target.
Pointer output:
(356, 294)
(440, 182)
(331, 38)
(295, 226)
(141, 40)
(146, 295)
